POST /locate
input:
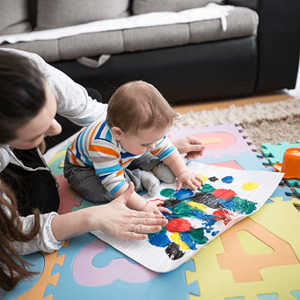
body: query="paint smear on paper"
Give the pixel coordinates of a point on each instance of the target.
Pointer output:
(207, 188)
(204, 178)
(249, 186)
(178, 225)
(196, 205)
(206, 199)
(176, 238)
(244, 206)
(159, 240)
(168, 193)
(183, 194)
(198, 236)
(223, 215)
(226, 194)
(213, 179)
(173, 251)
(228, 179)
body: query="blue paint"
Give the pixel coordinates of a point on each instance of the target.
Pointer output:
(228, 204)
(186, 238)
(159, 240)
(214, 233)
(199, 214)
(183, 194)
(208, 225)
(228, 179)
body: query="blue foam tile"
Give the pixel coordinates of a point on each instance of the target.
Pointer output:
(171, 285)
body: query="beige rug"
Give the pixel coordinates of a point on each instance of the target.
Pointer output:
(263, 122)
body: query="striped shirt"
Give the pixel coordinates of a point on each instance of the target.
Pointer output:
(96, 147)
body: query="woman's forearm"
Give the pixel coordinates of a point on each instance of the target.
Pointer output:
(71, 224)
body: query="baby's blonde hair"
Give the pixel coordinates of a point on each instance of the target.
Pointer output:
(138, 105)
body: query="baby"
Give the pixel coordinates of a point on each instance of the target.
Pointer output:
(130, 145)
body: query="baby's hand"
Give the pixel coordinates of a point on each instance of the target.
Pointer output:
(189, 179)
(154, 206)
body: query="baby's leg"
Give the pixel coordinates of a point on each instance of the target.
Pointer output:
(147, 162)
(86, 183)
(142, 179)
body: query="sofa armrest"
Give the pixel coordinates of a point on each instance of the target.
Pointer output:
(278, 41)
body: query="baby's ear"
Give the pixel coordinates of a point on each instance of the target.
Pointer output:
(117, 133)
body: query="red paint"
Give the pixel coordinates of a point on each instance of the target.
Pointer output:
(223, 215)
(224, 194)
(179, 225)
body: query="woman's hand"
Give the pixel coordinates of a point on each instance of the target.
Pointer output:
(155, 207)
(189, 179)
(117, 220)
(190, 145)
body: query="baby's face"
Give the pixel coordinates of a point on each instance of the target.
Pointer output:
(145, 140)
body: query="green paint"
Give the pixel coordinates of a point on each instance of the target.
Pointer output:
(243, 205)
(182, 209)
(198, 236)
(207, 188)
(169, 193)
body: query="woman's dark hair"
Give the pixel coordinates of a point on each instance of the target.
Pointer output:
(22, 94)
(12, 270)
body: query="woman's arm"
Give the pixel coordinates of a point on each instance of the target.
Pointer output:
(115, 219)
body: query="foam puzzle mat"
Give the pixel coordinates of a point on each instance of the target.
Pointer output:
(258, 258)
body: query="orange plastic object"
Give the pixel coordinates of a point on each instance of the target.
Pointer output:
(290, 164)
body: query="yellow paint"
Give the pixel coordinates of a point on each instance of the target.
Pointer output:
(213, 140)
(249, 186)
(62, 164)
(203, 178)
(176, 238)
(198, 206)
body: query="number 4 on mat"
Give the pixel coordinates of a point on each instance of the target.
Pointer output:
(245, 267)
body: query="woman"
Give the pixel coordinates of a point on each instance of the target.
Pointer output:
(31, 93)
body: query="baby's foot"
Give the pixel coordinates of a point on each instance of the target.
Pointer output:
(165, 174)
(150, 182)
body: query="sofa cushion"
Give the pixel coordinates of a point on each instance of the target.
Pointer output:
(14, 17)
(148, 6)
(138, 39)
(61, 13)
(241, 22)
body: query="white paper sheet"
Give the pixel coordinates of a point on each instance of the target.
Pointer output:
(254, 186)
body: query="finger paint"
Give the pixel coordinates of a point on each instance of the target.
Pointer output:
(198, 236)
(168, 193)
(213, 179)
(176, 237)
(250, 186)
(183, 194)
(206, 199)
(223, 215)
(173, 251)
(226, 194)
(159, 240)
(179, 225)
(244, 206)
(228, 179)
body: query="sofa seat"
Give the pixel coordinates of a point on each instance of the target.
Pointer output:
(240, 22)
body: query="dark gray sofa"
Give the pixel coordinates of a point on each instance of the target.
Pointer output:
(186, 61)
